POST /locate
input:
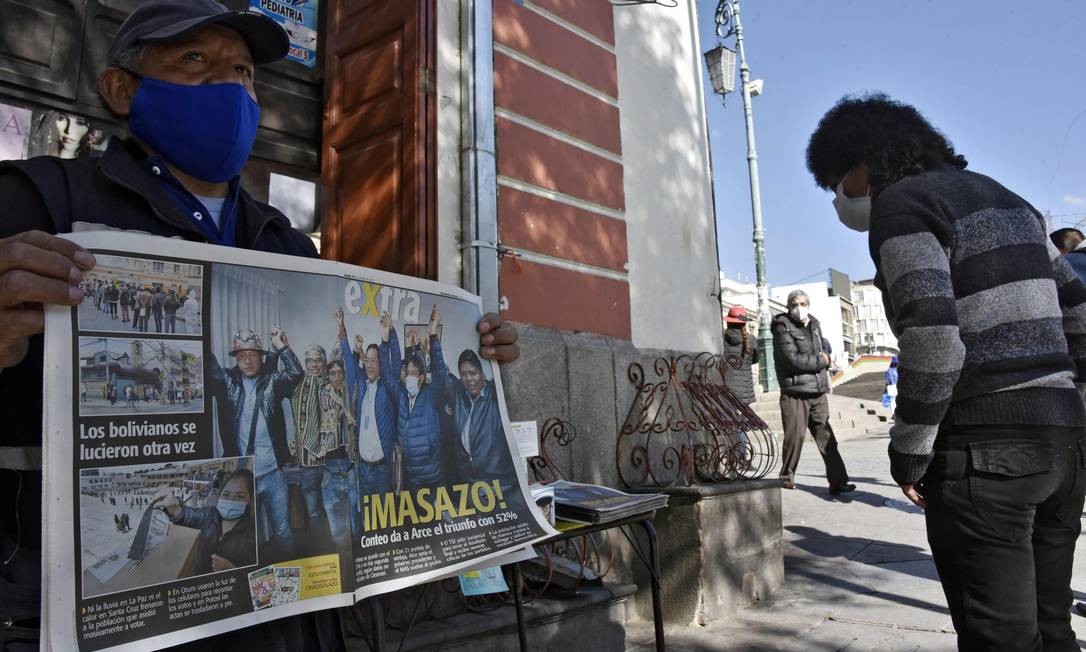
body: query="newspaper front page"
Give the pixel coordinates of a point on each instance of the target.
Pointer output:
(233, 437)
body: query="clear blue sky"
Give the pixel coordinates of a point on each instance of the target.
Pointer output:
(1004, 80)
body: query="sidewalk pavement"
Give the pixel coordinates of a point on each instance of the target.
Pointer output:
(859, 574)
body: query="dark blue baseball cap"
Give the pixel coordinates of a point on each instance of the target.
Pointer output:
(165, 20)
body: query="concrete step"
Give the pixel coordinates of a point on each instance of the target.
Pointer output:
(593, 613)
(850, 417)
(770, 412)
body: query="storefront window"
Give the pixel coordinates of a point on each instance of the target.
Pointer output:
(297, 199)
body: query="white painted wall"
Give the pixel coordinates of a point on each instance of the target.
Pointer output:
(665, 151)
(738, 293)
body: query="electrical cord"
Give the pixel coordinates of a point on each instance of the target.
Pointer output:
(637, 549)
(18, 522)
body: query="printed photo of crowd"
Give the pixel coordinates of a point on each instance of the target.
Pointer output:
(142, 295)
(336, 400)
(139, 376)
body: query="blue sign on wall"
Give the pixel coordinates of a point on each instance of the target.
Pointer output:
(299, 18)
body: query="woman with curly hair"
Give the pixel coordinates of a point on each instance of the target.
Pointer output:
(991, 322)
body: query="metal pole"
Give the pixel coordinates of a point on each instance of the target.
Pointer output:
(767, 375)
(518, 603)
(479, 182)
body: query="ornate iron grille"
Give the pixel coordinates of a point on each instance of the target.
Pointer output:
(686, 427)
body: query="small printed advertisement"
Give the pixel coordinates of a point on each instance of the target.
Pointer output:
(14, 132)
(299, 19)
(232, 432)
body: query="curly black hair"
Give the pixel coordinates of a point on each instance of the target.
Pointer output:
(891, 137)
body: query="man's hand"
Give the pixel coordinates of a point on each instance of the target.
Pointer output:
(342, 328)
(220, 564)
(386, 326)
(435, 322)
(359, 344)
(912, 494)
(497, 340)
(412, 339)
(278, 339)
(35, 269)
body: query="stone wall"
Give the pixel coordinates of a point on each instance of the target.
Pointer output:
(720, 546)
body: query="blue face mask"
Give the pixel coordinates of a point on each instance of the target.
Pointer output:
(230, 509)
(206, 131)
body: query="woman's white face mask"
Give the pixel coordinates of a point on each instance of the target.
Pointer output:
(854, 212)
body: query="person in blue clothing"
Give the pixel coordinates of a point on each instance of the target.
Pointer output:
(475, 437)
(420, 408)
(1070, 242)
(891, 385)
(1067, 240)
(181, 73)
(373, 398)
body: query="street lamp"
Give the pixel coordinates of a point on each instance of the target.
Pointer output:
(721, 63)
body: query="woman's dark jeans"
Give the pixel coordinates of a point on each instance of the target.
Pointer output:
(1003, 517)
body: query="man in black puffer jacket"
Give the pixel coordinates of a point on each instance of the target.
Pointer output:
(801, 361)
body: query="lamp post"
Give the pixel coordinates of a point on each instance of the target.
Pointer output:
(721, 63)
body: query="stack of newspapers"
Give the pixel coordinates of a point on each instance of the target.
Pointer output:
(594, 504)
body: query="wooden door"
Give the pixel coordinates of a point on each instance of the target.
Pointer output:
(378, 176)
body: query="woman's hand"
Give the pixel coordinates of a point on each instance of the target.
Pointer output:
(165, 500)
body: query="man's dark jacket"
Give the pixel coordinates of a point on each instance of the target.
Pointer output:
(157, 301)
(273, 385)
(238, 546)
(113, 192)
(797, 356)
(489, 457)
(419, 427)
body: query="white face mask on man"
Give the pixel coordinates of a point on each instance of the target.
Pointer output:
(799, 313)
(854, 212)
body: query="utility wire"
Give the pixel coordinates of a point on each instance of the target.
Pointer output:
(1063, 147)
(821, 271)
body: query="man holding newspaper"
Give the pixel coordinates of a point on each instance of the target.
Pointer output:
(180, 76)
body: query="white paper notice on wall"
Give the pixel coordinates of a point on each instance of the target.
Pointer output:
(527, 435)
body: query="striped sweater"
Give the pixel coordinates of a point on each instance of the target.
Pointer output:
(990, 319)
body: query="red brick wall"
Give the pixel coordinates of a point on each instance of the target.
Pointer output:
(560, 197)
